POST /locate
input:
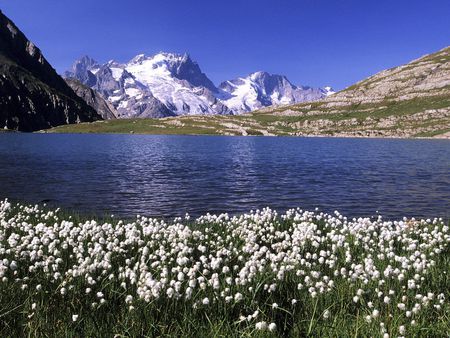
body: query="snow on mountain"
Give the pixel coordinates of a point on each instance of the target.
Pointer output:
(177, 82)
(328, 91)
(161, 85)
(261, 89)
(168, 84)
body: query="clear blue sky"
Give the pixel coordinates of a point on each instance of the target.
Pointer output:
(314, 42)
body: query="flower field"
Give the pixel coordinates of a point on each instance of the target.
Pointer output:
(259, 274)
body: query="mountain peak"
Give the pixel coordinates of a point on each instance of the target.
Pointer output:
(172, 55)
(83, 64)
(86, 59)
(138, 59)
(113, 63)
(180, 66)
(328, 90)
(267, 79)
(160, 57)
(81, 69)
(261, 89)
(258, 74)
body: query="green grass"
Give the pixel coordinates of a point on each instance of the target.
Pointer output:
(433, 133)
(274, 123)
(127, 126)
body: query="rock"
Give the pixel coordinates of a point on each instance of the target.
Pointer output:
(32, 95)
(93, 99)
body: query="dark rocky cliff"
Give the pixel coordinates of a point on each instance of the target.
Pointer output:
(32, 95)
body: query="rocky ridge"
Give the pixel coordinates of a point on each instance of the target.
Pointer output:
(412, 99)
(93, 98)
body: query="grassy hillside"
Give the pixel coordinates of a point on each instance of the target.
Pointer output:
(412, 100)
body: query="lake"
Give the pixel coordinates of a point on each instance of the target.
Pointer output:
(168, 176)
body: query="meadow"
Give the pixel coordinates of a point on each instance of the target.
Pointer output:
(259, 274)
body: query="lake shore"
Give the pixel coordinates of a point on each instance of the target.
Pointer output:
(102, 127)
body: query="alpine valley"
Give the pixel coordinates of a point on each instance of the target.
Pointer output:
(411, 100)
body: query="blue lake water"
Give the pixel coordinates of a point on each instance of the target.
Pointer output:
(171, 175)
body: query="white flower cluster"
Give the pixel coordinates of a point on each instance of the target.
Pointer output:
(236, 260)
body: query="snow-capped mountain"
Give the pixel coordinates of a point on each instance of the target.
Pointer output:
(261, 89)
(151, 86)
(167, 84)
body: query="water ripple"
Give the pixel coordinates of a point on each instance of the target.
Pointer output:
(170, 175)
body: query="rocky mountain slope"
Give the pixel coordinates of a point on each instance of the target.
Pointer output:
(93, 98)
(32, 95)
(412, 100)
(168, 84)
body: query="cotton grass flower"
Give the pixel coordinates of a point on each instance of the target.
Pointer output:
(261, 325)
(259, 263)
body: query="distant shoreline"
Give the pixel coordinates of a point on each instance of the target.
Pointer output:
(445, 136)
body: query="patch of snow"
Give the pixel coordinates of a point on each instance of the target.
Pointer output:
(328, 90)
(116, 73)
(123, 104)
(114, 98)
(132, 92)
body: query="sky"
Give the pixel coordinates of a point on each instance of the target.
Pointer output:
(312, 42)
